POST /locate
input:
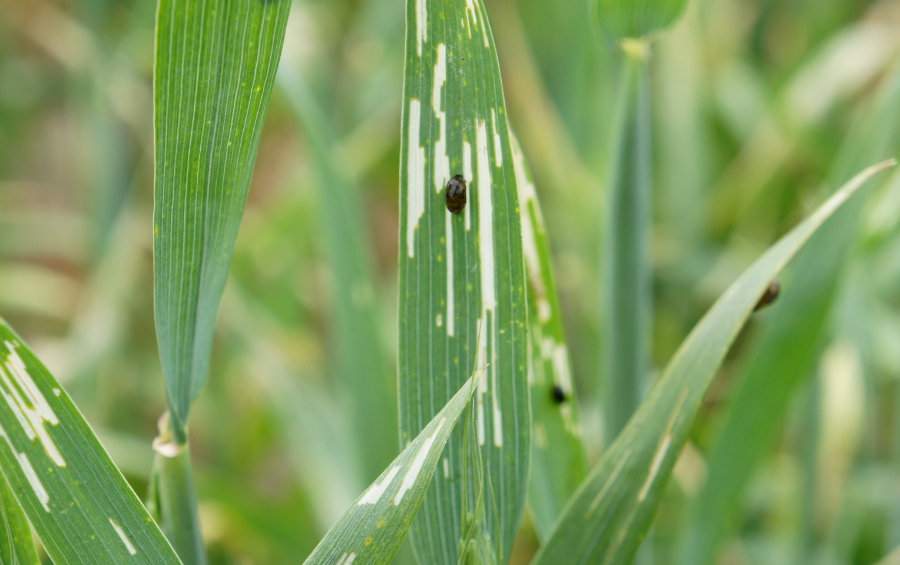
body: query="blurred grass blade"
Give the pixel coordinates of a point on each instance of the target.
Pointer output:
(367, 386)
(627, 304)
(77, 501)
(634, 19)
(558, 462)
(789, 345)
(610, 513)
(460, 272)
(16, 542)
(215, 64)
(372, 530)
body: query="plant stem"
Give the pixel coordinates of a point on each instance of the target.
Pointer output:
(175, 496)
(627, 304)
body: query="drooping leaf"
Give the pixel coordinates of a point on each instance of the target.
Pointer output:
(373, 528)
(76, 499)
(608, 516)
(215, 65)
(16, 542)
(558, 462)
(459, 272)
(788, 346)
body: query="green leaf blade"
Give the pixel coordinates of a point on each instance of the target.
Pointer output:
(372, 530)
(558, 461)
(607, 518)
(462, 276)
(77, 501)
(215, 65)
(633, 19)
(16, 542)
(788, 345)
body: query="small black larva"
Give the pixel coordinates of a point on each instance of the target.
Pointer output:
(769, 296)
(456, 194)
(558, 394)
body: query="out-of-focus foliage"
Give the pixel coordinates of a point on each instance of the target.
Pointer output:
(754, 101)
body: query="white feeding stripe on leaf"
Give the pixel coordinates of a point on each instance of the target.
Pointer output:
(374, 492)
(33, 411)
(126, 541)
(498, 147)
(373, 528)
(441, 159)
(36, 485)
(416, 467)
(61, 501)
(421, 24)
(485, 220)
(451, 313)
(467, 172)
(416, 173)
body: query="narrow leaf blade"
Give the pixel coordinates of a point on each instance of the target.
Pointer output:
(215, 65)
(460, 272)
(609, 514)
(372, 530)
(77, 501)
(16, 542)
(558, 462)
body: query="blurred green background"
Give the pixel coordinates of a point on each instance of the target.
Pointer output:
(753, 99)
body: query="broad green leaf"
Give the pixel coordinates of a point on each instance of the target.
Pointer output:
(78, 503)
(16, 542)
(637, 18)
(215, 65)
(368, 387)
(788, 346)
(459, 272)
(627, 263)
(373, 528)
(558, 462)
(608, 516)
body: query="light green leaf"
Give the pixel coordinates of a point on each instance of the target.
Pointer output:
(608, 516)
(627, 262)
(788, 346)
(79, 504)
(215, 65)
(637, 18)
(461, 271)
(368, 388)
(16, 542)
(558, 462)
(372, 530)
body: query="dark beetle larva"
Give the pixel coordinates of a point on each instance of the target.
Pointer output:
(456, 194)
(769, 296)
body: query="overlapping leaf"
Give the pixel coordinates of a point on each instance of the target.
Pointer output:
(76, 500)
(558, 463)
(373, 528)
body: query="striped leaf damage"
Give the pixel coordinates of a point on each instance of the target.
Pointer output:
(460, 271)
(558, 463)
(373, 528)
(77, 501)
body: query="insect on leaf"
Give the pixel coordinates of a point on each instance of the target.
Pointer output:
(558, 463)
(60, 474)
(460, 270)
(608, 516)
